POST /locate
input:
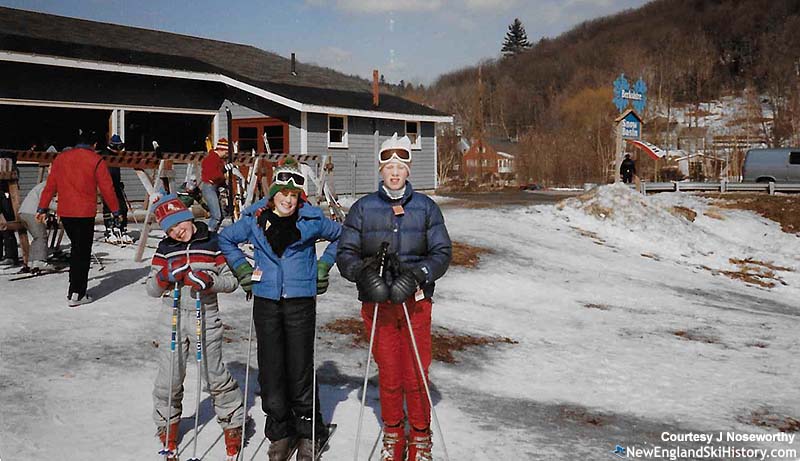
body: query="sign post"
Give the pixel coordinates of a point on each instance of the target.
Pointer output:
(629, 123)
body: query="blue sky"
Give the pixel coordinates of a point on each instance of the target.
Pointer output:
(414, 40)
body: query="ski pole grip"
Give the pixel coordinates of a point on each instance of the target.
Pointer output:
(382, 254)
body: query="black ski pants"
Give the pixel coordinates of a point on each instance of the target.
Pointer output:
(81, 236)
(119, 191)
(285, 332)
(8, 249)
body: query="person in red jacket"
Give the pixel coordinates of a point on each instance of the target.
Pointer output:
(75, 176)
(212, 178)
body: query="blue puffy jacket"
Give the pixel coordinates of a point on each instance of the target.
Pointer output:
(294, 275)
(418, 236)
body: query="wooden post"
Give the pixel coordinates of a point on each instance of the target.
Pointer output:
(10, 177)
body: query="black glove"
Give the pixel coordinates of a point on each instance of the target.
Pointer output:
(405, 285)
(372, 287)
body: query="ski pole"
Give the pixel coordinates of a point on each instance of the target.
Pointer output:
(424, 379)
(247, 376)
(98, 262)
(366, 377)
(314, 392)
(176, 300)
(382, 256)
(198, 308)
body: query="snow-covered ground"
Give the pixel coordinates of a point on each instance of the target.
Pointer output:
(626, 329)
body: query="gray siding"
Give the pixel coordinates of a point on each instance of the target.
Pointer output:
(357, 165)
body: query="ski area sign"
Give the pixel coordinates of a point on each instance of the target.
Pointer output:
(623, 94)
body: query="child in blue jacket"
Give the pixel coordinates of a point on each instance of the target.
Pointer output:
(284, 229)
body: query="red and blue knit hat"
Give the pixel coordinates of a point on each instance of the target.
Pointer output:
(170, 210)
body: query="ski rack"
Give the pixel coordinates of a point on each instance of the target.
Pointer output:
(257, 168)
(9, 176)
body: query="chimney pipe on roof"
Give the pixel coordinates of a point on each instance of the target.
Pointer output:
(294, 66)
(375, 90)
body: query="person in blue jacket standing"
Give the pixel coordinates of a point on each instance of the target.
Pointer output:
(284, 229)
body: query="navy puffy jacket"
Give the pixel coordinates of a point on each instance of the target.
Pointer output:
(419, 237)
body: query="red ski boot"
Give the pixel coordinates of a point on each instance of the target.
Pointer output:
(420, 445)
(394, 443)
(233, 442)
(173, 441)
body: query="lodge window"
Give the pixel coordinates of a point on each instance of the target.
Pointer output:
(337, 131)
(413, 132)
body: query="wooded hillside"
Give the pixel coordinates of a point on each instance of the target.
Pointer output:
(555, 98)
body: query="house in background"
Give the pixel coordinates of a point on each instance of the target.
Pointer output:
(484, 164)
(58, 74)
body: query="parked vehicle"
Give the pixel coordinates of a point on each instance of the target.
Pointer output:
(772, 165)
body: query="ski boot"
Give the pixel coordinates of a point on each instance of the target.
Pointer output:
(125, 238)
(279, 450)
(170, 451)
(420, 445)
(233, 442)
(306, 450)
(394, 443)
(111, 237)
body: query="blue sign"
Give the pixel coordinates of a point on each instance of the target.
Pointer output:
(631, 127)
(623, 93)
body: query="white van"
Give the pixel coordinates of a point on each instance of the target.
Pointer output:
(772, 165)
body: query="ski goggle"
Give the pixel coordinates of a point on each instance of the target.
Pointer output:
(400, 154)
(117, 146)
(284, 177)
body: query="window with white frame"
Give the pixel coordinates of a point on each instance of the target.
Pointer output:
(413, 131)
(337, 131)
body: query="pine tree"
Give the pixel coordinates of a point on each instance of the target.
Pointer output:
(516, 39)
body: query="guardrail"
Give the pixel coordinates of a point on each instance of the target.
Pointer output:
(678, 186)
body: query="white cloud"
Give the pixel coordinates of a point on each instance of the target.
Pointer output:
(385, 6)
(488, 4)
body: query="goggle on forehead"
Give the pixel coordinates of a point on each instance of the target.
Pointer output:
(400, 154)
(284, 177)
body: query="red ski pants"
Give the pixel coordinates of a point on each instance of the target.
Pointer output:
(398, 371)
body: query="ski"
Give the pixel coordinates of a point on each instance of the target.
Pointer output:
(39, 274)
(324, 445)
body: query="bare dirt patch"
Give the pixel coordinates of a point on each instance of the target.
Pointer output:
(763, 274)
(444, 342)
(466, 255)
(784, 209)
(766, 417)
(682, 211)
(584, 417)
(696, 335)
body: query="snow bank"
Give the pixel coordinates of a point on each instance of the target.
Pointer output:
(679, 227)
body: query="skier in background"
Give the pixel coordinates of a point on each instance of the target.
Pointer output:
(212, 178)
(75, 176)
(414, 227)
(116, 233)
(627, 169)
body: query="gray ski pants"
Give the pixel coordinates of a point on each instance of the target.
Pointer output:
(39, 243)
(224, 390)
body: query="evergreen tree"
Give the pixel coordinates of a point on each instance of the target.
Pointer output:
(516, 39)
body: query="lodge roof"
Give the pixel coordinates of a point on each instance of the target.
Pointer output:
(46, 34)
